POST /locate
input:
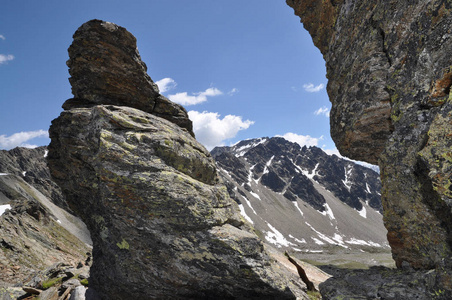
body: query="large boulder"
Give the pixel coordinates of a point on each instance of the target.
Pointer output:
(389, 81)
(162, 223)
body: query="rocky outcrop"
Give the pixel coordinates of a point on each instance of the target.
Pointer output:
(106, 68)
(384, 283)
(162, 223)
(389, 81)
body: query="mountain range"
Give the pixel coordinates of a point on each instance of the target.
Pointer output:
(302, 199)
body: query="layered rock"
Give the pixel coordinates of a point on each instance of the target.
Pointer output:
(162, 223)
(388, 65)
(106, 68)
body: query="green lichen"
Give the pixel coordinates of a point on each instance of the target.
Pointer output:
(84, 282)
(51, 282)
(123, 245)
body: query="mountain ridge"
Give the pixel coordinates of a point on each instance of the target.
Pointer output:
(301, 198)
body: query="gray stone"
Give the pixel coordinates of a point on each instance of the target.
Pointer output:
(78, 293)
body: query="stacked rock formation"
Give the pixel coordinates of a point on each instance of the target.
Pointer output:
(162, 223)
(389, 81)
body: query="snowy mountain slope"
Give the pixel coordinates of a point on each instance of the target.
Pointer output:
(301, 198)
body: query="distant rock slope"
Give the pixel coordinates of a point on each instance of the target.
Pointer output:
(163, 225)
(34, 232)
(389, 80)
(301, 198)
(31, 166)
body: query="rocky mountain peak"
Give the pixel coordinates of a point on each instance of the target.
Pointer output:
(285, 167)
(302, 199)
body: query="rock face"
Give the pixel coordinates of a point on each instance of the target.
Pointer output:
(389, 81)
(162, 224)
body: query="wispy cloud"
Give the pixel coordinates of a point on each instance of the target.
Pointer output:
(20, 139)
(233, 91)
(311, 88)
(2, 37)
(166, 84)
(5, 58)
(195, 98)
(211, 130)
(322, 111)
(302, 140)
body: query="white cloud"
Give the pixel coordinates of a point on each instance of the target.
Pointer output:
(20, 139)
(211, 130)
(196, 98)
(323, 111)
(233, 91)
(2, 37)
(313, 89)
(5, 58)
(302, 140)
(166, 84)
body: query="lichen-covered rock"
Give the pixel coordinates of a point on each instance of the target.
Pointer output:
(389, 71)
(162, 223)
(384, 283)
(106, 68)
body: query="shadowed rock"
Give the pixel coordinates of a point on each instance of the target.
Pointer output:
(388, 65)
(389, 81)
(162, 223)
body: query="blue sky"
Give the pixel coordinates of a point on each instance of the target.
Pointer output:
(243, 69)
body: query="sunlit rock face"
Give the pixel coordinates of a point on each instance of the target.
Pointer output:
(389, 77)
(162, 223)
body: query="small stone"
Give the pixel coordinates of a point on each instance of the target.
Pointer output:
(49, 294)
(71, 283)
(78, 293)
(31, 290)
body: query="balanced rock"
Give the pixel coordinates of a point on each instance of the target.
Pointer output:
(389, 80)
(162, 223)
(106, 68)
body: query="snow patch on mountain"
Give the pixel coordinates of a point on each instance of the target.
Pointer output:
(296, 205)
(355, 241)
(3, 208)
(249, 204)
(275, 237)
(311, 174)
(243, 213)
(328, 211)
(348, 184)
(363, 212)
(255, 195)
(268, 165)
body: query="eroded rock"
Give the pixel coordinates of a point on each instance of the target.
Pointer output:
(389, 78)
(106, 68)
(162, 223)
